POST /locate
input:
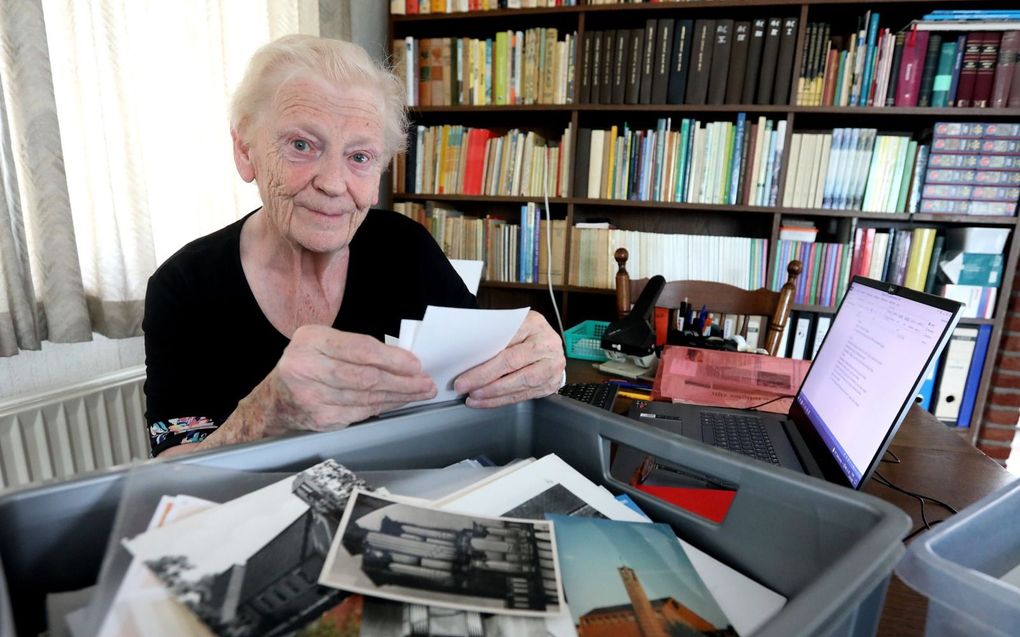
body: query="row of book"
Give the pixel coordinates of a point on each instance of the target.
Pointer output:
(738, 261)
(512, 252)
(968, 168)
(453, 159)
(698, 162)
(671, 61)
(853, 169)
(825, 270)
(512, 67)
(964, 264)
(973, 168)
(928, 64)
(425, 7)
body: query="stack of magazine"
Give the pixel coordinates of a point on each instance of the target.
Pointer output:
(529, 548)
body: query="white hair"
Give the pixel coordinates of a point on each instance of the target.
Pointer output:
(335, 61)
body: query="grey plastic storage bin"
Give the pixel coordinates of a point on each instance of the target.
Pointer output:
(829, 550)
(957, 565)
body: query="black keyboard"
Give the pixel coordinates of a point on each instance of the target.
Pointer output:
(744, 434)
(601, 395)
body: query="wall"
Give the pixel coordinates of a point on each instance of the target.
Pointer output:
(57, 365)
(1002, 410)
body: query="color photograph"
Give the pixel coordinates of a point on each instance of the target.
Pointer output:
(625, 578)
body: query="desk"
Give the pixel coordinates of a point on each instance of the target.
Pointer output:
(935, 461)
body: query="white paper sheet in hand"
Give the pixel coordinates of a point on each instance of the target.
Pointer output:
(449, 341)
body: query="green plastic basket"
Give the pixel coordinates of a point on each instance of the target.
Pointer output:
(584, 340)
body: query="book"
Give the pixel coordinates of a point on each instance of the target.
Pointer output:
(769, 55)
(586, 67)
(985, 75)
(609, 60)
(719, 72)
(943, 78)
(908, 83)
(632, 92)
(648, 63)
(1009, 49)
(921, 246)
(701, 62)
(932, 58)
(682, 39)
(663, 57)
(784, 62)
(738, 62)
(756, 43)
(968, 69)
(890, 93)
(595, 93)
(620, 66)
(961, 45)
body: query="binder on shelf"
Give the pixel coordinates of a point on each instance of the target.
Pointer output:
(927, 389)
(953, 380)
(801, 335)
(821, 329)
(966, 415)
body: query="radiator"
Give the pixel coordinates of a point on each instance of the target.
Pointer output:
(57, 434)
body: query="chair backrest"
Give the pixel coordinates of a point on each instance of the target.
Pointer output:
(720, 297)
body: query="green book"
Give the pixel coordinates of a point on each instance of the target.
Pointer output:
(499, 74)
(943, 74)
(907, 166)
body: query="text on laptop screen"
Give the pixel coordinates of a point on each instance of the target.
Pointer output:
(875, 351)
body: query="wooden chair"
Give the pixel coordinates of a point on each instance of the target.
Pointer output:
(720, 297)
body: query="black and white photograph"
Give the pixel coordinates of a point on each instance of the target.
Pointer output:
(389, 549)
(249, 566)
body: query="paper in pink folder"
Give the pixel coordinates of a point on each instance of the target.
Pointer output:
(728, 379)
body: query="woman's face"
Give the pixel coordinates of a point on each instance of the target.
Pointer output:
(316, 153)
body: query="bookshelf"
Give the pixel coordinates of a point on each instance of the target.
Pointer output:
(576, 302)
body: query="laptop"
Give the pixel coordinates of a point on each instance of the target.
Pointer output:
(862, 381)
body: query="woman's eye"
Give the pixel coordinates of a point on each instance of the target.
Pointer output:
(361, 158)
(301, 145)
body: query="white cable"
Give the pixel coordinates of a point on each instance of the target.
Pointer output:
(549, 250)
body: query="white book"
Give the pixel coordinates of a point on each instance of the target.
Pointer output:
(814, 172)
(805, 169)
(595, 163)
(834, 166)
(879, 251)
(756, 161)
(848, 154)
(875, 169)
(823, 168)
(955, 367)
(785, 339)
(793, 176)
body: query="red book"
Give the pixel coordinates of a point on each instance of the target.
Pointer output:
(411, 7)
(475, 161)
(829, 88)
(867, 247)
(908, 82)
(986, 69)
(1004, 70)
(968, 69)
(856, 261)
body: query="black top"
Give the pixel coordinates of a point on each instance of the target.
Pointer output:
(208, 344)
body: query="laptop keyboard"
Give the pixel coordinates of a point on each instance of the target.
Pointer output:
(743, 434)
(601, 395)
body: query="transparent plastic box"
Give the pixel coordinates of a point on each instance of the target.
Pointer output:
(829, 550)
(958, 565)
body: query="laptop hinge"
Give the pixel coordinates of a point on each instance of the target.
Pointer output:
(803, 453)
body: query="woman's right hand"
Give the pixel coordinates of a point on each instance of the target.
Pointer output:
(327, 379)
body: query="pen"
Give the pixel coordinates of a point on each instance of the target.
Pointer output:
(634, 395)
(629, 385)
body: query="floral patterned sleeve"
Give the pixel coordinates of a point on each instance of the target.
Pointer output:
(164, 434)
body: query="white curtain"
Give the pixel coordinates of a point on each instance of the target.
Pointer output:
(141, 91)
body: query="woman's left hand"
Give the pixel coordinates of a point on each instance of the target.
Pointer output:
(531, 366)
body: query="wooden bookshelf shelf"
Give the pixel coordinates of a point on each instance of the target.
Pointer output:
(809, 126)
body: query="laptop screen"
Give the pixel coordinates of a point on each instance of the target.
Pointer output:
(865, 375)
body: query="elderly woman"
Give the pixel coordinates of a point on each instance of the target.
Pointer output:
(275, 322)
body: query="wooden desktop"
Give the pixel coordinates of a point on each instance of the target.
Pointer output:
(934, 461)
